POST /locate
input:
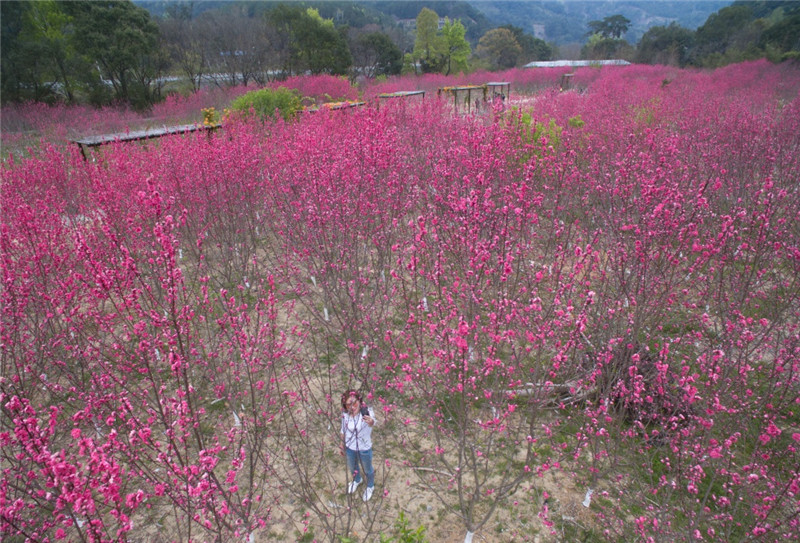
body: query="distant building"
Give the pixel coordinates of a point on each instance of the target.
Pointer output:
(575, 63)
(538, 31)
(408, 24)
(411, 24)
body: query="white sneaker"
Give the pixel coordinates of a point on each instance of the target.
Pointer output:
(368, 493)
(351, 488)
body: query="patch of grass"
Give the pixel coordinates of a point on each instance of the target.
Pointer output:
(334, 348)
(569, 530)
(307, 537)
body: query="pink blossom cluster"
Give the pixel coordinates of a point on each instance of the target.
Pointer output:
(615, 299)
(61, 122)
(320, 88)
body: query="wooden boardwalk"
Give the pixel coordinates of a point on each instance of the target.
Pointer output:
(402, 94)
(137, 135)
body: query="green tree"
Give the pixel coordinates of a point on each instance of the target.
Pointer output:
(613, 26)
(20, 72)
(720, 32)
(39, 61)
(604, 39)
(428, 45)
(314, 43)
(783, 37)
(456, 47)
(409, 64)
(44, 26)
(11, 14)
(499, 48)
(284, 19)
(123, 42)
(532, 48)
(376, 54)
(719, 28)
(601, 48)
(323, 47)
(668, 45)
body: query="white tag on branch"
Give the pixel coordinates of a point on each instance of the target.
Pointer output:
(236, 421)
(364, 352)
(587, 500)
(468, 537)
(325, 311)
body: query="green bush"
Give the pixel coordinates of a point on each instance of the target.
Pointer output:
(404, 533)
(576, 122)
(265, 102)
(532, 134)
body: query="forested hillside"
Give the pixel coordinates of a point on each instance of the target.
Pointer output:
(565, 22)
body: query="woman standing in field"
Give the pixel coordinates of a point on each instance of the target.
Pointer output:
(357, 423)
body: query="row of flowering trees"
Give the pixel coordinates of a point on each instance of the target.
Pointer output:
(614, 297)
(24, 124)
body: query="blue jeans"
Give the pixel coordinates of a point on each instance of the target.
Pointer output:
(364, 459)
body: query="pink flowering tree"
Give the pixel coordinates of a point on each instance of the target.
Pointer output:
(492, 290)
(137, 397)
(693, 334)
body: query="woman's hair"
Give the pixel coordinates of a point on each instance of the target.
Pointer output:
(350, 394)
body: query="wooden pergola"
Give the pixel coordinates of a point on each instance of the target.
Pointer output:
(467, 92)
(481, 93)
(499, 89)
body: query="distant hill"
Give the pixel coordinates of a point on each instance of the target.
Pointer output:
(559, 22)
(470, 14)
(565, 21)
(355, 14)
